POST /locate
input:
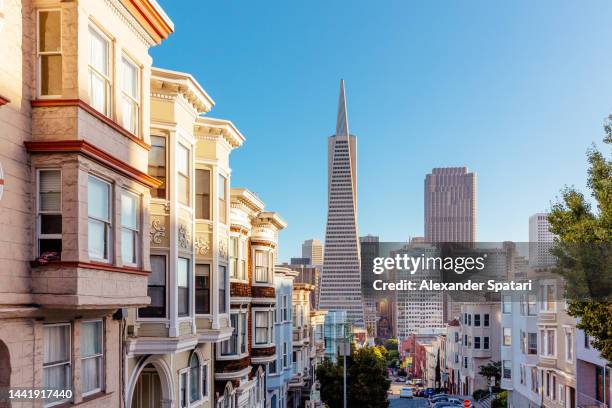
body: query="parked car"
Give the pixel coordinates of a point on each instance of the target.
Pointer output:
(429, 392)
(438, 399)
(406, 392)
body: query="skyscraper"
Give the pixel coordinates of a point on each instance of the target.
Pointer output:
(341, 278)
(540, 241)
(313, 250)
(450, 205)
(369, 247)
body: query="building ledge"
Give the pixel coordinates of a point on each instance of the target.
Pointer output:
(160, 345)
(214, 335)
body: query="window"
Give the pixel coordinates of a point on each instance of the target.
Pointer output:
(456, 337)
(183, 389)
(243, 332)
(156, 289)
(465, 362)
(547, 342)
(534, 379)
(233, 257)
(285, 308)
(202, 288)
(49, 52)
(157, 165)
(507, 336)
(486, 320)
(222, 289)
(587, 342)
(243, 258)
(562, 394)
(99, 223)
(476, 320)
(131, 96)
(261, 266)
(49, 211)
(285, 356)
(485, 341)
(182, 279)
(507, 369)
(229, 347)
(194, 379)
(56, 359)
(222, 199)
(569, 345)
(523, 342)
(262, 327)
(532, 305)
(182, 166)
(469, 319)
(507, 304)
(99, 71)
(130, 213)
(476, 342)
(522, 373)
(202, 194)
(465, 339)
(547, 298)
(532, 343)
(272, 367)
(205, 381)
(553, 390)
(92, 366)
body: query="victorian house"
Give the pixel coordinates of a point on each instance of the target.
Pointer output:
(74, 191)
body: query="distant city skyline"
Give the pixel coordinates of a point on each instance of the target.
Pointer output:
(516, 92)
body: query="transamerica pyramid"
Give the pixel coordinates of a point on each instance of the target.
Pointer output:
(341, 277)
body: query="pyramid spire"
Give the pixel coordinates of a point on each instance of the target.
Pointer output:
(342, 128)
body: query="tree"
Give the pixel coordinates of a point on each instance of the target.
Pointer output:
(366, 380)
(392, 345)
(582, 249)
(493, 369)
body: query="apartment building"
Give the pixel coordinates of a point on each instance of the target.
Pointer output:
(473, 343)
(280, 371)
(74, 129)
(592, 375)
(299, 386)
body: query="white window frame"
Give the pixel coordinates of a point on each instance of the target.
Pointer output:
(190, 289)
(234, 257)
(64, 363)
(134, 102)
(40, 212)
(269, 328)
(544, 337)
(108, 80)
(100, 356)
(569, 344)
(39, 53)
(261, 267)
(180, 174)
(544, 297)
(135, 232)
(108, 224)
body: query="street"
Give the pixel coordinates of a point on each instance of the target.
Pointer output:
(396, 402)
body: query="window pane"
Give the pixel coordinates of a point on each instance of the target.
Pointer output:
(158, 270)
(90, 374)
(157, 164)
(130, 78)
(50, 224)
(50, 190)
(91, 338)
(128, 246)
(50, 74)
(202, 288)
(222, 289)
(129, 114)
(56, 344)
(98, 198)
(182, 162)
(49, 31)
(182, 272)
(98, 51)
(129, 211)
(97, 92)
(183, 189)
(222, 187)
(97, 239)
(202, 194)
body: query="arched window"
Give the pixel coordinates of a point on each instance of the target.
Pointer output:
(194, 378)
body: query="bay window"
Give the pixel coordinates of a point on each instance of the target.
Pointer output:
(99, 220)
(92, 366)
(157, 165)
(182, 277)
(49, 212)
(130, 214)
(49, 52)
(222, 199)
(182, 166)
(99, 71)
(130, 111)
(202, 288)
(56, 359)
(156, 289)
(202, 194)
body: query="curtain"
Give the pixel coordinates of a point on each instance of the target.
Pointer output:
(97, 198)
(56, 350)
(91, 356)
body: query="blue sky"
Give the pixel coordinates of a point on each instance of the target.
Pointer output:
(517, 91)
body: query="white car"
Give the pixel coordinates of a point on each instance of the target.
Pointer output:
(406, 392)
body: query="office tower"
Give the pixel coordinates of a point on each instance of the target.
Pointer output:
(450, 205)
(369, 246)
(300, 261)
(313, 250)
(341, 278)
(540, 241)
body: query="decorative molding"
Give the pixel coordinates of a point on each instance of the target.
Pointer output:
(223, 248)
(129, 20)
(158, 232)
(99, 155)
(151, 18)
(202, 246)
(184, 238)
(46, 103)
(94, 265)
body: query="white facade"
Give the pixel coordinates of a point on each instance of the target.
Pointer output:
(313, 250)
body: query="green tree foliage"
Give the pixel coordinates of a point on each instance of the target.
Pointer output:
(366, 380)
(501, 400)
(493, 369)
(392, 345)
(584, 258)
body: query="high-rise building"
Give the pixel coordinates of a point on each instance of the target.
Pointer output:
(540, 241)
(450, 205)
(341, 278)
(313, 250)
(369, 246)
